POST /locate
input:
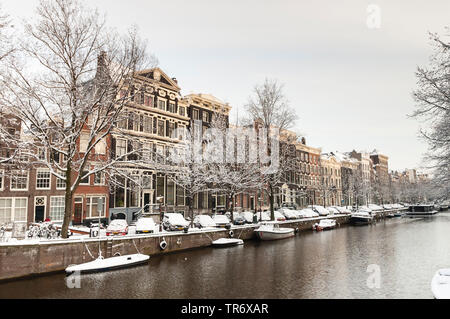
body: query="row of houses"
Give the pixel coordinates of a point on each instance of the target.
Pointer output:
(152, 115)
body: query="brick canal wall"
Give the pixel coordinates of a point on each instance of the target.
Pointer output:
(18, 261)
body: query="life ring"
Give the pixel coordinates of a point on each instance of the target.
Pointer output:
(117, 254)
(231, 233)
(163, 245)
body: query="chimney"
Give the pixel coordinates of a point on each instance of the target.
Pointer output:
(303, 141)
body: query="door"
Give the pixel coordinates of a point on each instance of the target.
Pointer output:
(78, 211)
(147, 201)
(39, 208)
(39, 214)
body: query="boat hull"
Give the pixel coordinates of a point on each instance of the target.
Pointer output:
(225, 242)
(422, 214)
(440, 286)
(271, 235)
(361, 220)
(107, 264)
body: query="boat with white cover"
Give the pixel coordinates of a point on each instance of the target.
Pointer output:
(227, 242)
(270, 231)
(105, 264)
(325, 224)
(440, 284)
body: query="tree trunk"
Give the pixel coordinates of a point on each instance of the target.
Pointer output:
(231, 198)
(271, 198)
(191, 210)
(67, 203)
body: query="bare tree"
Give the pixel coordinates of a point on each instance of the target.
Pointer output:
(270, 109)
(75, 77)
(6, 36)
(234, 172)
(188, 169)
(433, 107)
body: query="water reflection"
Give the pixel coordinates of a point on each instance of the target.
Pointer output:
(331, 264)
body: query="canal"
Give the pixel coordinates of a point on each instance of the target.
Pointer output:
(332, 264)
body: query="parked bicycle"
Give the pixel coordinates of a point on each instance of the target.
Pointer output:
(43, 230)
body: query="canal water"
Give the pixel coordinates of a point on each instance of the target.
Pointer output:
(393, 259)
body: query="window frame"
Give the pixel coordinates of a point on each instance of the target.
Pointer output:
(89, 206)
(51, 207)
(43, 170)
(19, 189)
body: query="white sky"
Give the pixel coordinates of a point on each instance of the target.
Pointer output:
(351, 85)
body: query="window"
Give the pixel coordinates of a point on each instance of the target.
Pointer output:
(160, 154)
(19, 181)
(170, 192)
(95, 207)
(182, 111)
(123, 121)
(57, 206)
(195, 114)
(41, 154)
(99, 178)
(149, 101)
(43, 179)
(180, 196)
(55, 156)
(60, 183)
(84, 141)
(161, 128)
(13, 209)
(147, 124)
(160, 186)
(171, 129)
(121, 148)
(162, 104)
(1, 180)
(5, 210)
(100, 147)
(171, 107)
(20, 209)
(84, 181)
(205, 116)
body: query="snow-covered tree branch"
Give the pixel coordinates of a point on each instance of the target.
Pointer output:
(69, 89)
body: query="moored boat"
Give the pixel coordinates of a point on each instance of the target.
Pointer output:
(104, 264)
(325, 224)
(440, 284)
(270, 231)
(422, 210)
(361, 218)
(227, 242)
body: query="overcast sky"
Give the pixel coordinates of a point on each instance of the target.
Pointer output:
(351, 85)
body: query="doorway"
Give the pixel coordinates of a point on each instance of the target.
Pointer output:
(146, 200)
(39, 209)
(78, 211)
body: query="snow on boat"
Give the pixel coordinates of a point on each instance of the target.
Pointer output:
(440, 284)
(227, 242)
(271, 231)
(105, 264)
(325, 224)
(361, 218)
